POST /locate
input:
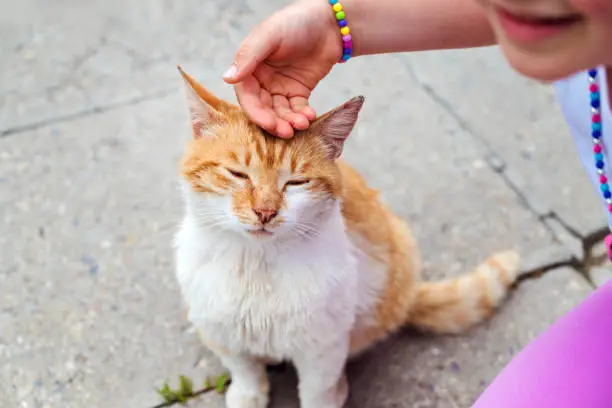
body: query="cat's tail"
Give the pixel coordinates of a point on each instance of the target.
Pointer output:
(454, 305)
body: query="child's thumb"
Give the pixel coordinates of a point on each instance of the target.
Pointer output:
(251, 53)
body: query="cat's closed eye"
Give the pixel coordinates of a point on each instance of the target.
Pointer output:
(238, 174)
(297, 182)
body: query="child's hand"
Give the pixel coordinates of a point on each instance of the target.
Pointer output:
(280, 63)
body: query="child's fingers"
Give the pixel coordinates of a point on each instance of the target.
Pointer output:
(284, 111)
(257, 103)
(299, 104)
(283, 129)
(249, 96)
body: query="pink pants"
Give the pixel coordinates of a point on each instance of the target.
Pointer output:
(568, 366)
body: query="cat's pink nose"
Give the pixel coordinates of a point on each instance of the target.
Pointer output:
(265, 215)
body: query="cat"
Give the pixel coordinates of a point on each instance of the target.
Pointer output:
(285, 254)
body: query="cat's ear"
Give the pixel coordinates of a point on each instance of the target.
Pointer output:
(335, 126)
(205, 109)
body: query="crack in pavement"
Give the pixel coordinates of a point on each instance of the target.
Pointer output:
(86, 112)
(78, 61)
(581, 264)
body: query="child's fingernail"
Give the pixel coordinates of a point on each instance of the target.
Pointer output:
(230, 73)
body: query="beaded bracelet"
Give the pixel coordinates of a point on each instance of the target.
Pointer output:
(347, 40)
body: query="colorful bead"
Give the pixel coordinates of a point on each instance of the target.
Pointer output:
(608, 243)
(596, 132)
(345, 31)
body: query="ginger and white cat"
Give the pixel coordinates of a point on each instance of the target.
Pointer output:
(285, 254)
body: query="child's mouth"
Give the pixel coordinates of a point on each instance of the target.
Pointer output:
(525, 28)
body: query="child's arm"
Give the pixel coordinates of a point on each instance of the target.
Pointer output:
(284, 58)
(384, 26)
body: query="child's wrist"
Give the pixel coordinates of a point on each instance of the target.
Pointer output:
(359, 19)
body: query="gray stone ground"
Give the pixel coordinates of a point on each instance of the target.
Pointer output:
(92, 124)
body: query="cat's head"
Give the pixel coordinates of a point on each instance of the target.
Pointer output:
(241, 179)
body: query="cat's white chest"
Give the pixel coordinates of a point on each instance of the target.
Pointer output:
(267, 301)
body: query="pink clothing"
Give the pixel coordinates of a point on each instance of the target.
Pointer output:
(568, 366)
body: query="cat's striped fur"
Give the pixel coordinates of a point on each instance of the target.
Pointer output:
(286, 254)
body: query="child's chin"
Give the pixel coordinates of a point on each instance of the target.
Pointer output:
(544, 66)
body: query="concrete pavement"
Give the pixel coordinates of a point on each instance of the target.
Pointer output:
(92, 123)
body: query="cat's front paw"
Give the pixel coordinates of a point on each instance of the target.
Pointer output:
(334, 397)
(239, 397)
(342, 391)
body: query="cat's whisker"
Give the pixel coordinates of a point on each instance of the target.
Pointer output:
(215, 226)
(306, 230)
(300, 233)
(308, 226)
(215, 220)
(209, 212)
(207, 220)
(212, 220)
(210, 215)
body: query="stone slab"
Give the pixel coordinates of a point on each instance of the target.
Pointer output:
(519, 120)
(574, 244)
(545, 258)
(63, 57)
(600, 275)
